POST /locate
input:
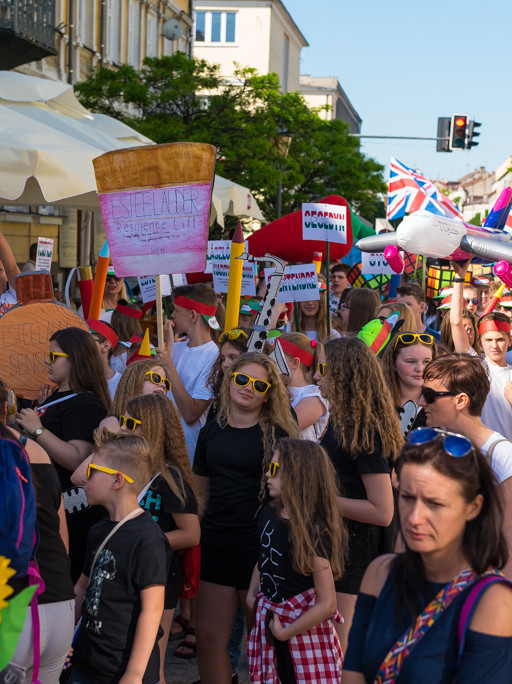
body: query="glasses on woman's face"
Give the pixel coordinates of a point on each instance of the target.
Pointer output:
(104, 469)
(129, 423)
(113, 277)
(344, 307)
(472, 300)
(272, 468)
(157, 379)
(53, 355)
(242, 380)
(410, 338)
(321, 368)
(430, 395)
(232, 335)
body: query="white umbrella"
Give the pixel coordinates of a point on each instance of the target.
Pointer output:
(48, 143)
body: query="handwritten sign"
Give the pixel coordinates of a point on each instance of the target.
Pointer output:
(44, 254)
(375, 263)
(300, 283)
(324, 222)
(220, 270)
(157, 230)
(25, 333)
(147, 286)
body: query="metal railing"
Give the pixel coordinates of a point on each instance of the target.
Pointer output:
(34, 20)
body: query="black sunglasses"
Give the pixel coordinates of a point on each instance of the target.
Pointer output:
(468, 301)
(430, 395)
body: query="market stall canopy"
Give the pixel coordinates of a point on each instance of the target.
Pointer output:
(49, 141)
(283, 237)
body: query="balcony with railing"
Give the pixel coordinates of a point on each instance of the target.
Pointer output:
(27, 31)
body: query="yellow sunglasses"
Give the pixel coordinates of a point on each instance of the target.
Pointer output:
(272, 468)
(410, 338)
(53, 355)
(232, 335)
(129, 423)
(321, 368)
(157, 379)
(104, 469)
(242, 380)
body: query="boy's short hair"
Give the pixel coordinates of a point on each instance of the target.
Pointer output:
(199, 293)
(130, 454)
(412, 290)
(344, 268)
(462, 373)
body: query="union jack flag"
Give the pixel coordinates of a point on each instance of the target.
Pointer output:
(408, 191)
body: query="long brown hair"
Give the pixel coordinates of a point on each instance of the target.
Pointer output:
(363, 305)
(214, 382)
(361, 406)
(131, 384)
(275, 413)
(161, 427)
(446, 331)
(321, 319)
(309, 491)
(86, 373)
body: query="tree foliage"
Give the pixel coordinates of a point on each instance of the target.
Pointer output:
(177, 98)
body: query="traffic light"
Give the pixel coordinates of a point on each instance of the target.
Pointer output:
(459, 131)
(472, 134)
(443, 134)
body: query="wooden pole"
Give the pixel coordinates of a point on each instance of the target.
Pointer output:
(159, 313)
(328, 297)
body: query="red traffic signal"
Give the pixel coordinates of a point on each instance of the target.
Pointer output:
(459, 131)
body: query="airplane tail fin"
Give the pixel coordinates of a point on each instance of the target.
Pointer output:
(498, 215)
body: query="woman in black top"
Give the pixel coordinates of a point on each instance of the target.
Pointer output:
(232, 455)
(362, 438)
(65, 421)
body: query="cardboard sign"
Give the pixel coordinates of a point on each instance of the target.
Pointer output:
(25, 333)
(375, 263)
(217, 249)
(300, 283)
(324, 222)
(147, 286)
(220, 270)
(44, 254)
(155, 204)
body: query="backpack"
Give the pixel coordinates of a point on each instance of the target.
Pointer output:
(19, 535)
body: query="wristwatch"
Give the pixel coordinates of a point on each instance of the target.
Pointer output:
(459, 280)
(37, 433)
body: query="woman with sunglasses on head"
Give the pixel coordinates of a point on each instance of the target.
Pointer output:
(426, 615)
(363, 440)
(65, 421)
(310, 407)
(232, 455)
(403, 362)
(170, 495)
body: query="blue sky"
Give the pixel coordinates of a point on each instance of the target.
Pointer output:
(403, 64)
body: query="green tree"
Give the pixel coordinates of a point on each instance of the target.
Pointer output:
(177, 98)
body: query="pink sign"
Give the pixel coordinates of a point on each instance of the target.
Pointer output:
(156, 231)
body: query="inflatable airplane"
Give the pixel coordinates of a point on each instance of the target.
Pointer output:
(443, 238)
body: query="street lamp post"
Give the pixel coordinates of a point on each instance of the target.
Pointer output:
(283, 141)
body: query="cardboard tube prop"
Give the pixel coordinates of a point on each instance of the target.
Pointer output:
(236, 266)
(100, 279)
(85, 283)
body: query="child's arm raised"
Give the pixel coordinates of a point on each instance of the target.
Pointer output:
(152, 607)
(323, 609)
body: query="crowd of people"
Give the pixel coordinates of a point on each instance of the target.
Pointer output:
(353, 514)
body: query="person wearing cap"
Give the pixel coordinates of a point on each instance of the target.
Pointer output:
(106, 338)
(494, 333)
(248, 312)
(482, 285)
(115, 291)
(189, 363)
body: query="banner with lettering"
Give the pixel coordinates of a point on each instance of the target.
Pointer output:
(375, 263)
(324, 222)
(299, 284)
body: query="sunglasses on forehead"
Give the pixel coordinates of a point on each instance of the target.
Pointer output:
(410, 338)
(232, 335)
(454, 445)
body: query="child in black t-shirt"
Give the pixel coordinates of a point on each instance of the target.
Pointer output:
(302, 546)
(120, 594)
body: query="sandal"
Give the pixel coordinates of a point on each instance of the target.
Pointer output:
(175, 636)
(186, 643)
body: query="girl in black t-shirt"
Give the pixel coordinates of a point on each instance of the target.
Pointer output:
(302, 546)
(232, 455)
(362, 438)
(170, 496)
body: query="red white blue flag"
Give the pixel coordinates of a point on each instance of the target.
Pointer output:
(409, 191)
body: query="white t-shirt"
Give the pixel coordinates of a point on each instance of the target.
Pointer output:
(194, 365)
(313, 334)
(297, 394)
(7, 300)
(497, 412)
(112, 383)
(501, 459)
(118, 363)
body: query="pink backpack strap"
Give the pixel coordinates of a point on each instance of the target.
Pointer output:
(35, 578)
(471, 603)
